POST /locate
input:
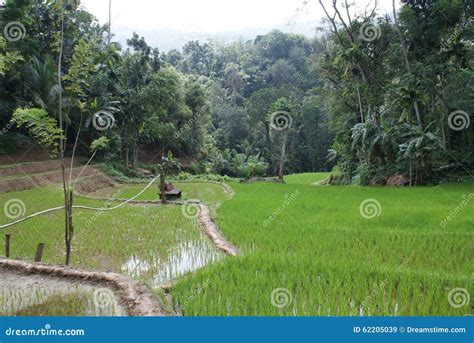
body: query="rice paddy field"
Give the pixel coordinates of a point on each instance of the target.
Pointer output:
(306, 178)
(314, 251)
(306, 250)
(208, 192)
(152, 243)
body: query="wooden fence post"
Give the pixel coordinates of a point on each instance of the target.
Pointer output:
(39, 252)
(7, 244)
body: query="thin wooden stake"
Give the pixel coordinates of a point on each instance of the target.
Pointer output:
(39, 252)
(7, 244)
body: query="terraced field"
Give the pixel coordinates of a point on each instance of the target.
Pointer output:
(305, 249)
(152, 243)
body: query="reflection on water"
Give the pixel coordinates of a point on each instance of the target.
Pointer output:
(28, 295)
(188, 256)
(135, 267)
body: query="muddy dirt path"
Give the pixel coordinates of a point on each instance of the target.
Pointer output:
(211, 230)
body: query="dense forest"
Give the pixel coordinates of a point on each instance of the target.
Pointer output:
(370, 97)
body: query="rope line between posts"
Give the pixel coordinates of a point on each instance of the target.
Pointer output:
(100, 209)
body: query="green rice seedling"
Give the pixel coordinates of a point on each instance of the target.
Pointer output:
(329, 259)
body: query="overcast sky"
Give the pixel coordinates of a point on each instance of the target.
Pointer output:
(210, 16)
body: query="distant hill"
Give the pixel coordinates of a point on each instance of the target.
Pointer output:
(167, 39)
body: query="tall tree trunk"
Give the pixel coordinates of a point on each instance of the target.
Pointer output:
(127, 153)
(281, 171)
(441, 124)
(361, 110)
(135, 155)
(68, 193)
(407, 63)
(162, 187)
(109, 38)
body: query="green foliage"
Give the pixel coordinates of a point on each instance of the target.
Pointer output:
(40, 125)
(252, 166)
(390, 98)
(183, 176)
(168, 164)
(99, 143)
(80, 69)
(358, 99)
(7, 58)
(41, 81)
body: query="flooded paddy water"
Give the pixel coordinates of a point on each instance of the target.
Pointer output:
(186, 257)
(34, 295)
(150, 243)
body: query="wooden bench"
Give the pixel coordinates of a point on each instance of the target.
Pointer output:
(171, 192)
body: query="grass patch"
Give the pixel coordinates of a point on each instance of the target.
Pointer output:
(333, 261)
(209, 193)
(75, 304)
(305, 178)
(152, 243)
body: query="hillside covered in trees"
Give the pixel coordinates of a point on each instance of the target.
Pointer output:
(369, 98)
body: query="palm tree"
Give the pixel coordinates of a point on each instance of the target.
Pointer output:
(41, 81)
